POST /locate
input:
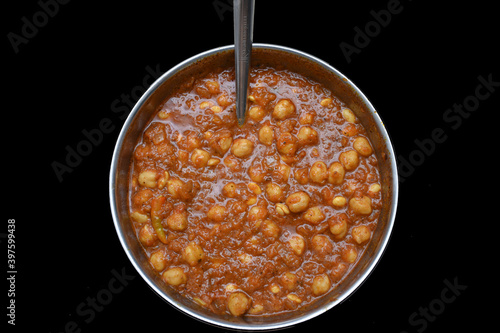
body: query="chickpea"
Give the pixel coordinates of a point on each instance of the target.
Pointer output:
(233, 163)
(175, 187)
(339, 202)
(321, 284)
(294, 298)
(318, 172)
(178, 221)
(256, 113)
(286, 144)
(174, 276)
(338, 225)
(217, 213)
(142, 196)
(230, 287)
(349, 159)
(221, 141)
(274, 193)
(327, 194)
(361, 234)
(158, 260)
(242, 148)
(155, 133)
(147, 235)
(216, 109)
(289, 281)
(284, 171)
(314, 215)
(251, 201)
(349, 254)
(307, 118)
(216, 120)
(374, 189)
(240, 206)
(256, 309)
(361, 205)
(238, 303)
(257, 213)
(362, 146)
(321, 244)
(223, 100)
(164, 114)
(256, 174)
(253, 244)
(205, 104)
(200, 158)
(193, 141)
(229, 190)
(270, 229)
(213, 162)
(287, 126)
(336, 173)
(224, 144)
(183, 156)
(326, 102)
(162, 181)
(298, 201)
(297, 244)
(351, 187)
(213, 87)
(254, 188)
(301, 176)
(266, 135)
(282, 209)
(245, 258)
(348, 115)
(200, 301)
(350, 130)
(193, 254)
(338, 271)
(148, 178)
(284, 109)
(274, 288)
(139, 217)
(307, 136)
(292, 159)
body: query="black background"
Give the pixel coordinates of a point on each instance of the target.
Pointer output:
(64, 79)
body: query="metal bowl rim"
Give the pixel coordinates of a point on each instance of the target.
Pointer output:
(268, 326)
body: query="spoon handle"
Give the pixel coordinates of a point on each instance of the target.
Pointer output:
(243, 36)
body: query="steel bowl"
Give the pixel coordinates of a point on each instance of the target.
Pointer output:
(273, 55)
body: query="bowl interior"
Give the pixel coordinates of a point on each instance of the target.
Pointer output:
(278, 57)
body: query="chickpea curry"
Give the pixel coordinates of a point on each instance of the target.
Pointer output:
(259, 219)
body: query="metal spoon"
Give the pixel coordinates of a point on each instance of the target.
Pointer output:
(243, 36)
